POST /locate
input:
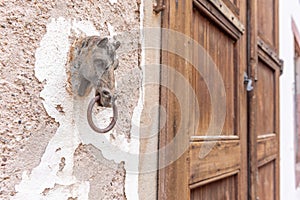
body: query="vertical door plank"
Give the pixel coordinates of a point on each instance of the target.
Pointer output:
(252, 99)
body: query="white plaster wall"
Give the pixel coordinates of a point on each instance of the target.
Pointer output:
(151, 74)
(47, 149)
(51, 58)
(287, 11)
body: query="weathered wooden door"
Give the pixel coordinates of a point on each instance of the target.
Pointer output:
(228, 45)
(264, 101)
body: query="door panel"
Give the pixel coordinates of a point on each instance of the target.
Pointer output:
(267, 127)
(225, 157)
(266, 99)
(267, 21)
(214, 191)
(233, 2)
(267, 148)
(174, 178)
(266, 181)
(219, 173)
(222, 50)
(267, 107)
(218, 29)
(242, 160)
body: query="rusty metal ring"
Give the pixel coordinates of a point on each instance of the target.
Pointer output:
(90, 119)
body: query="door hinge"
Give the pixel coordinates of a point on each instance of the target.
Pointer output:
(248, 81)
(159, 6)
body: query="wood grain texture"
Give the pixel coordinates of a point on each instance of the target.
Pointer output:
(252, 99)
(173, 179)
(227, 12)
(220, 38)
(267, 149)
(266, 52)
(266, 21)
(221, 49)
(223, 158)
(242, 110)
(265, 99)
(216, 15)
(266, 189)
(249, 141)
(269, 69)
(213, 190)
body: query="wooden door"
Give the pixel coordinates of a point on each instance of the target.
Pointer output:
(240, 160)
(215, 164)
(264, 102)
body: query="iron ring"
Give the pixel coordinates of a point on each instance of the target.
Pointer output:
(90, 119)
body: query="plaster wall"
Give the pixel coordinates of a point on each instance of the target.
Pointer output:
(150, 119)
(287, 11)
(48, 151)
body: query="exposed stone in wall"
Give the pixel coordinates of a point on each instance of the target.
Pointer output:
(25, 126)
(105, 177)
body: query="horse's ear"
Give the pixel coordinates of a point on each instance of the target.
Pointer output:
(102, 43)
(117, 45)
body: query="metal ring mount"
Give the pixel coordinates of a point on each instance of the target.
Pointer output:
(90, 119)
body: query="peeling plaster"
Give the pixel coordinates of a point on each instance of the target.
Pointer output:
(111, 30)
(52, 179)
(149, 133)
(113, 1)
(51, 57)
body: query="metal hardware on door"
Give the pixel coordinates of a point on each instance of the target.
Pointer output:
(93, 61)
(248, 81)
(159, 6)
(90, 119)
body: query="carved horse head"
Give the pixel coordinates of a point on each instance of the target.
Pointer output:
(93, 66)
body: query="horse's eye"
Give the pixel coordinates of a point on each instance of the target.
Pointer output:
(100, 64)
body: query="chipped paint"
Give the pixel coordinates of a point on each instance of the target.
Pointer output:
(113, 1)
(111, 30)
(51, 57)
(53, 178)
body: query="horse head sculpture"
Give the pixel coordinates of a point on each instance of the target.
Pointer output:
(93, 65)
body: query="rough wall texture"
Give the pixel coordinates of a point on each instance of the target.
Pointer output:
(97, 170)
(25, 126)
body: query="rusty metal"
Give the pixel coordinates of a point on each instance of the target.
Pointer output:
(159, 6)
(90, 118)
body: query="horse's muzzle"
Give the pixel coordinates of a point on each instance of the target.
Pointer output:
(106, 97)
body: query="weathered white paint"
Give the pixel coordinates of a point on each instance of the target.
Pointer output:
(111, 30)
(51, 57)
(50, 66)
(113, 1)
(287, 10)
(150, 60)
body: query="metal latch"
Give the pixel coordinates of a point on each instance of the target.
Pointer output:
(248, 81)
